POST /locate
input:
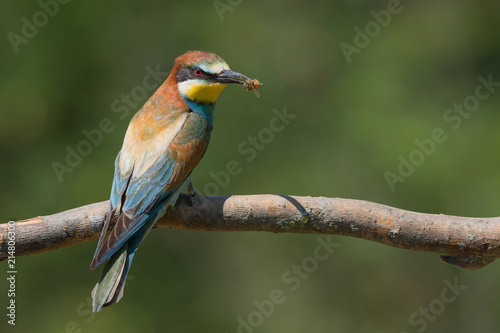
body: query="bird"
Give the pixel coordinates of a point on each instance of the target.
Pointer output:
(164, 142)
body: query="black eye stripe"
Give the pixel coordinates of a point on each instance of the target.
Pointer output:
(187, 73)
(183, 74)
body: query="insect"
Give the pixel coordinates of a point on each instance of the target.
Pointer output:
(252, 85)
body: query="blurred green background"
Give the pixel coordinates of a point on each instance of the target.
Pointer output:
(353, 121)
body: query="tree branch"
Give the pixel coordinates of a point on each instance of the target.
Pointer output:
(466, 242)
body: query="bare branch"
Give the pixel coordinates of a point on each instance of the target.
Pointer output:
(467, 242)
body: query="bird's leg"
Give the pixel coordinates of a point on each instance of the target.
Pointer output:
(191, 190)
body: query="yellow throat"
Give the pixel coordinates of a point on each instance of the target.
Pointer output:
(201, 91)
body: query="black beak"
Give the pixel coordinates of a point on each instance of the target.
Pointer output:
(228, 76)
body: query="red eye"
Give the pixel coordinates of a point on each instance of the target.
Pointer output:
(197, 71)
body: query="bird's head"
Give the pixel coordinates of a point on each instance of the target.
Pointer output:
(201, 76)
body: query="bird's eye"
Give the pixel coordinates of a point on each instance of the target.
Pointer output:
(197, 71)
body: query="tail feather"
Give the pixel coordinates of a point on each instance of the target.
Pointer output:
(109, 289)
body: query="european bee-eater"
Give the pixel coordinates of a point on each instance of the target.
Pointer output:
(163, 144)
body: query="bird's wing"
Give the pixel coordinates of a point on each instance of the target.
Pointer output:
(146, 178)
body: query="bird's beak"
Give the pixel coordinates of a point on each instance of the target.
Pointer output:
(228, 76)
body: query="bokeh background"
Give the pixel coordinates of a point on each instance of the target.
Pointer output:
(353, 121)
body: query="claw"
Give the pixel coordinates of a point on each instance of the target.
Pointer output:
(192, 192)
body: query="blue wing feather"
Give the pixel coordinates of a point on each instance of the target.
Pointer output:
(141, 204)
(120, 182)
(137, 200)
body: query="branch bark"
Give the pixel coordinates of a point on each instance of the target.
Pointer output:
(466, 242)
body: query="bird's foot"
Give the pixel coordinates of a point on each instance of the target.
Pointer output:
(192, 192)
